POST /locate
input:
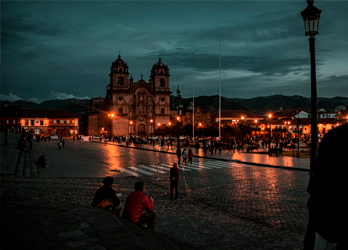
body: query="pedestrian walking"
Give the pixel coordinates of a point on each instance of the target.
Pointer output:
(63, 143)
(190, 155)
(184, 156)
(105, 140)
(174, 180)
(159, 144)
(178, 154)
(59, 145)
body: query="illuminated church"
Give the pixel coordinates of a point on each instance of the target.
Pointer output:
(131, 108)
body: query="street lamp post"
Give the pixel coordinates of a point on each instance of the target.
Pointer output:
(6, 140)
(179, 113)
(311, 17)
(151, 128)
(270, 129)
(242, 118)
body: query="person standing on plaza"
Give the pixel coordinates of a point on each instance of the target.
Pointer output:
(178, 154)
(174, 180)
(135, 204)
(190, 155)
(328, 217)
(107, 192)
(63, 143)
(184, 156)
(105, 140)
(59, 145)
(197, 146)
(159, 144)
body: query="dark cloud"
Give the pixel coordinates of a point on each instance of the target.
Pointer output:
(68, 47)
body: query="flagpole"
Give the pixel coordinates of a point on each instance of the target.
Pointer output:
(193, 97)
(220, 96)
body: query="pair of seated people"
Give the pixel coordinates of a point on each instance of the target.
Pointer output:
(106, 199)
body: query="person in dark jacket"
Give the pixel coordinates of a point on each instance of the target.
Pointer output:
(178, 154)
(174, 180)
(107, 192)
(328, 217)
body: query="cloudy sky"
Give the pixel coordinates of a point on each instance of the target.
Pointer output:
(64, 49)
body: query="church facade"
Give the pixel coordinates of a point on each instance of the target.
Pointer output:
(131, 108)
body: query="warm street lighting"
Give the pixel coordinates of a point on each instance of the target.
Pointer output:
(169, 123)
(200, 124)
(158, 124)
(130, 122)
(111, 115)
(178, 118)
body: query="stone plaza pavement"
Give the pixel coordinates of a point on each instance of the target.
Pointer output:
(54, 212)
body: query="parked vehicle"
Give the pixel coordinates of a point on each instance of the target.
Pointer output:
(54, 137)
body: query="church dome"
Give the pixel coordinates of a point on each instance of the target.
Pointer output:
(119, 62)
(160, 68)
(160, 64)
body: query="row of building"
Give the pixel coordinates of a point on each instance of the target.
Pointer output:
(139, 108)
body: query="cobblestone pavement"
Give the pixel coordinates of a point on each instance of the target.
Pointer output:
(232, 207)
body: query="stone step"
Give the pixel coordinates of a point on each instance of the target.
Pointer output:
(33, 166)
(20, 164)
(140, 235)
(160, 239)
(26, 165)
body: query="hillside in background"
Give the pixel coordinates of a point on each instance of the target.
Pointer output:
(265, 104)
(260, 105)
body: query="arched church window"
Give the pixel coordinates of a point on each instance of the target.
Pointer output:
(120, 111)
(162, 110)
(120, 98)
(161, 83)
(120, 81)
(120, 70)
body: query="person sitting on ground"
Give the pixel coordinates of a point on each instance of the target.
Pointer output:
(42, 161)
(135, 204)
(105, 198)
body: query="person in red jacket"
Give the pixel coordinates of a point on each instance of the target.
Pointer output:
(174, 180)
(136, 202)
(190, 155)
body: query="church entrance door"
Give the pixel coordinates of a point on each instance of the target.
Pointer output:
(141, 130)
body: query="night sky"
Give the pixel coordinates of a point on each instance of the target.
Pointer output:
(60, 50)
